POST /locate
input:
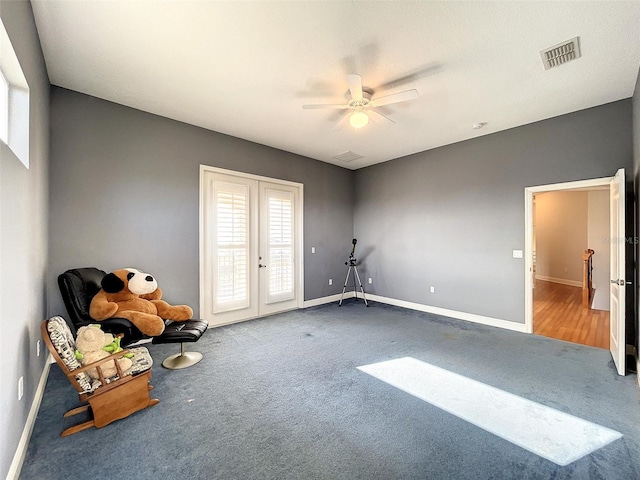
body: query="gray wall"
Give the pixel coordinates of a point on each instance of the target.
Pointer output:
(450, 217)
(23, 239)
(636, 182)
(561, 221)
(124, 193)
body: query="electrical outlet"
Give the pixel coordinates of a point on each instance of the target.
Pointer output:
(432, 289)
(370, 280)
(38, 348)
(20, 388)
(331, 281)
(313, 249)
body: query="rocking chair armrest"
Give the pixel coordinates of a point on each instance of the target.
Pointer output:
(97, 364)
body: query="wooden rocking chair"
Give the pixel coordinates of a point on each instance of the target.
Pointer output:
(106, 399)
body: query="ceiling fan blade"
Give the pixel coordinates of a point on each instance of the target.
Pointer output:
(342, 121)
(355, 86)
(378, 117)
(395, 98)
(412, 76)
(338, 106)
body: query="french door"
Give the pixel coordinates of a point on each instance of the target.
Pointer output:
(250, 246)
(617, 342)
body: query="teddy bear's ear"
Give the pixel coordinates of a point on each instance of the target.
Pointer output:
(111, 283)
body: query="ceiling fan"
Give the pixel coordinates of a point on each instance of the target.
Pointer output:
(361, 106)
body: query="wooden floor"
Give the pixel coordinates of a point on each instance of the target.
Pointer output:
(558, 313)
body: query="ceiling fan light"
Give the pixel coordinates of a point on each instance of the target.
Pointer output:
(358, 119)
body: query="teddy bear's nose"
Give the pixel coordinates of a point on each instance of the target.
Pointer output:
(149, 278)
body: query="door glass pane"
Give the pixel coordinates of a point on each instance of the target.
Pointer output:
(281, 238)
(231, 279)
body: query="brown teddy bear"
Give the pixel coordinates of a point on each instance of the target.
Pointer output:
(134, 295)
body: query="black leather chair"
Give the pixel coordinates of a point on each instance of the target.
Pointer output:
(78, 286)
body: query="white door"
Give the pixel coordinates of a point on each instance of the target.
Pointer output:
(250, 246)
(617, 343)
(277, 248)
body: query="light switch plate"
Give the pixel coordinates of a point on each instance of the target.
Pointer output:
(517, 254)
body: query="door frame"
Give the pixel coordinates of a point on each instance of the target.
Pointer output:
(528, 237)
(299, 220)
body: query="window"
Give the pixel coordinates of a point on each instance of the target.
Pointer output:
(280, 245)
(4, 109)
(232, 286)
(14, 101)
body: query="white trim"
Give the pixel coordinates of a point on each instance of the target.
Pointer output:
(330, 299)
(251, 176)
(23, 444)
(4, 108)
(18, 95)
(562, 281)
(300, 232)
(528, 235)
(469, 317)
(552, 187)
(257, 317)
(201, 252)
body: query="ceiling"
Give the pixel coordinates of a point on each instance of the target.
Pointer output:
(246, 68)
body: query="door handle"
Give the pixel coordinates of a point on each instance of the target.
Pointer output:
(620, 282)
(261, 266)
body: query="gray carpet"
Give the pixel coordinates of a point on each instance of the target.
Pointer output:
(280, 398)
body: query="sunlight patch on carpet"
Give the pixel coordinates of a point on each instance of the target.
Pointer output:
(549, 433)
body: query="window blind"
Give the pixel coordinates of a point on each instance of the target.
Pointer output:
(280, 244)
(231, 282)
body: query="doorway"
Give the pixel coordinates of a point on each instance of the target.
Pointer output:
(616, 242)
(250, 246)
(571, 265)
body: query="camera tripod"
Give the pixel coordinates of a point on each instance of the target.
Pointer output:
(352, 265)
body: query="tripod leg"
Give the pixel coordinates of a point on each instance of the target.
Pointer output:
(355, 269)
(345, 286)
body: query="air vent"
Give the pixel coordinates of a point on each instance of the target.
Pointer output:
(348, 156)
(561, 53)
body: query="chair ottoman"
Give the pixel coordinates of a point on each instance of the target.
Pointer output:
(181, 332)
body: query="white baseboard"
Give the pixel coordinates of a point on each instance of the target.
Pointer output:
(470, 317)
(329, 299)
(21, 451)
(573, 283)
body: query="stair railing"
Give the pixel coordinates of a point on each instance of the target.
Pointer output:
(587, 278)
